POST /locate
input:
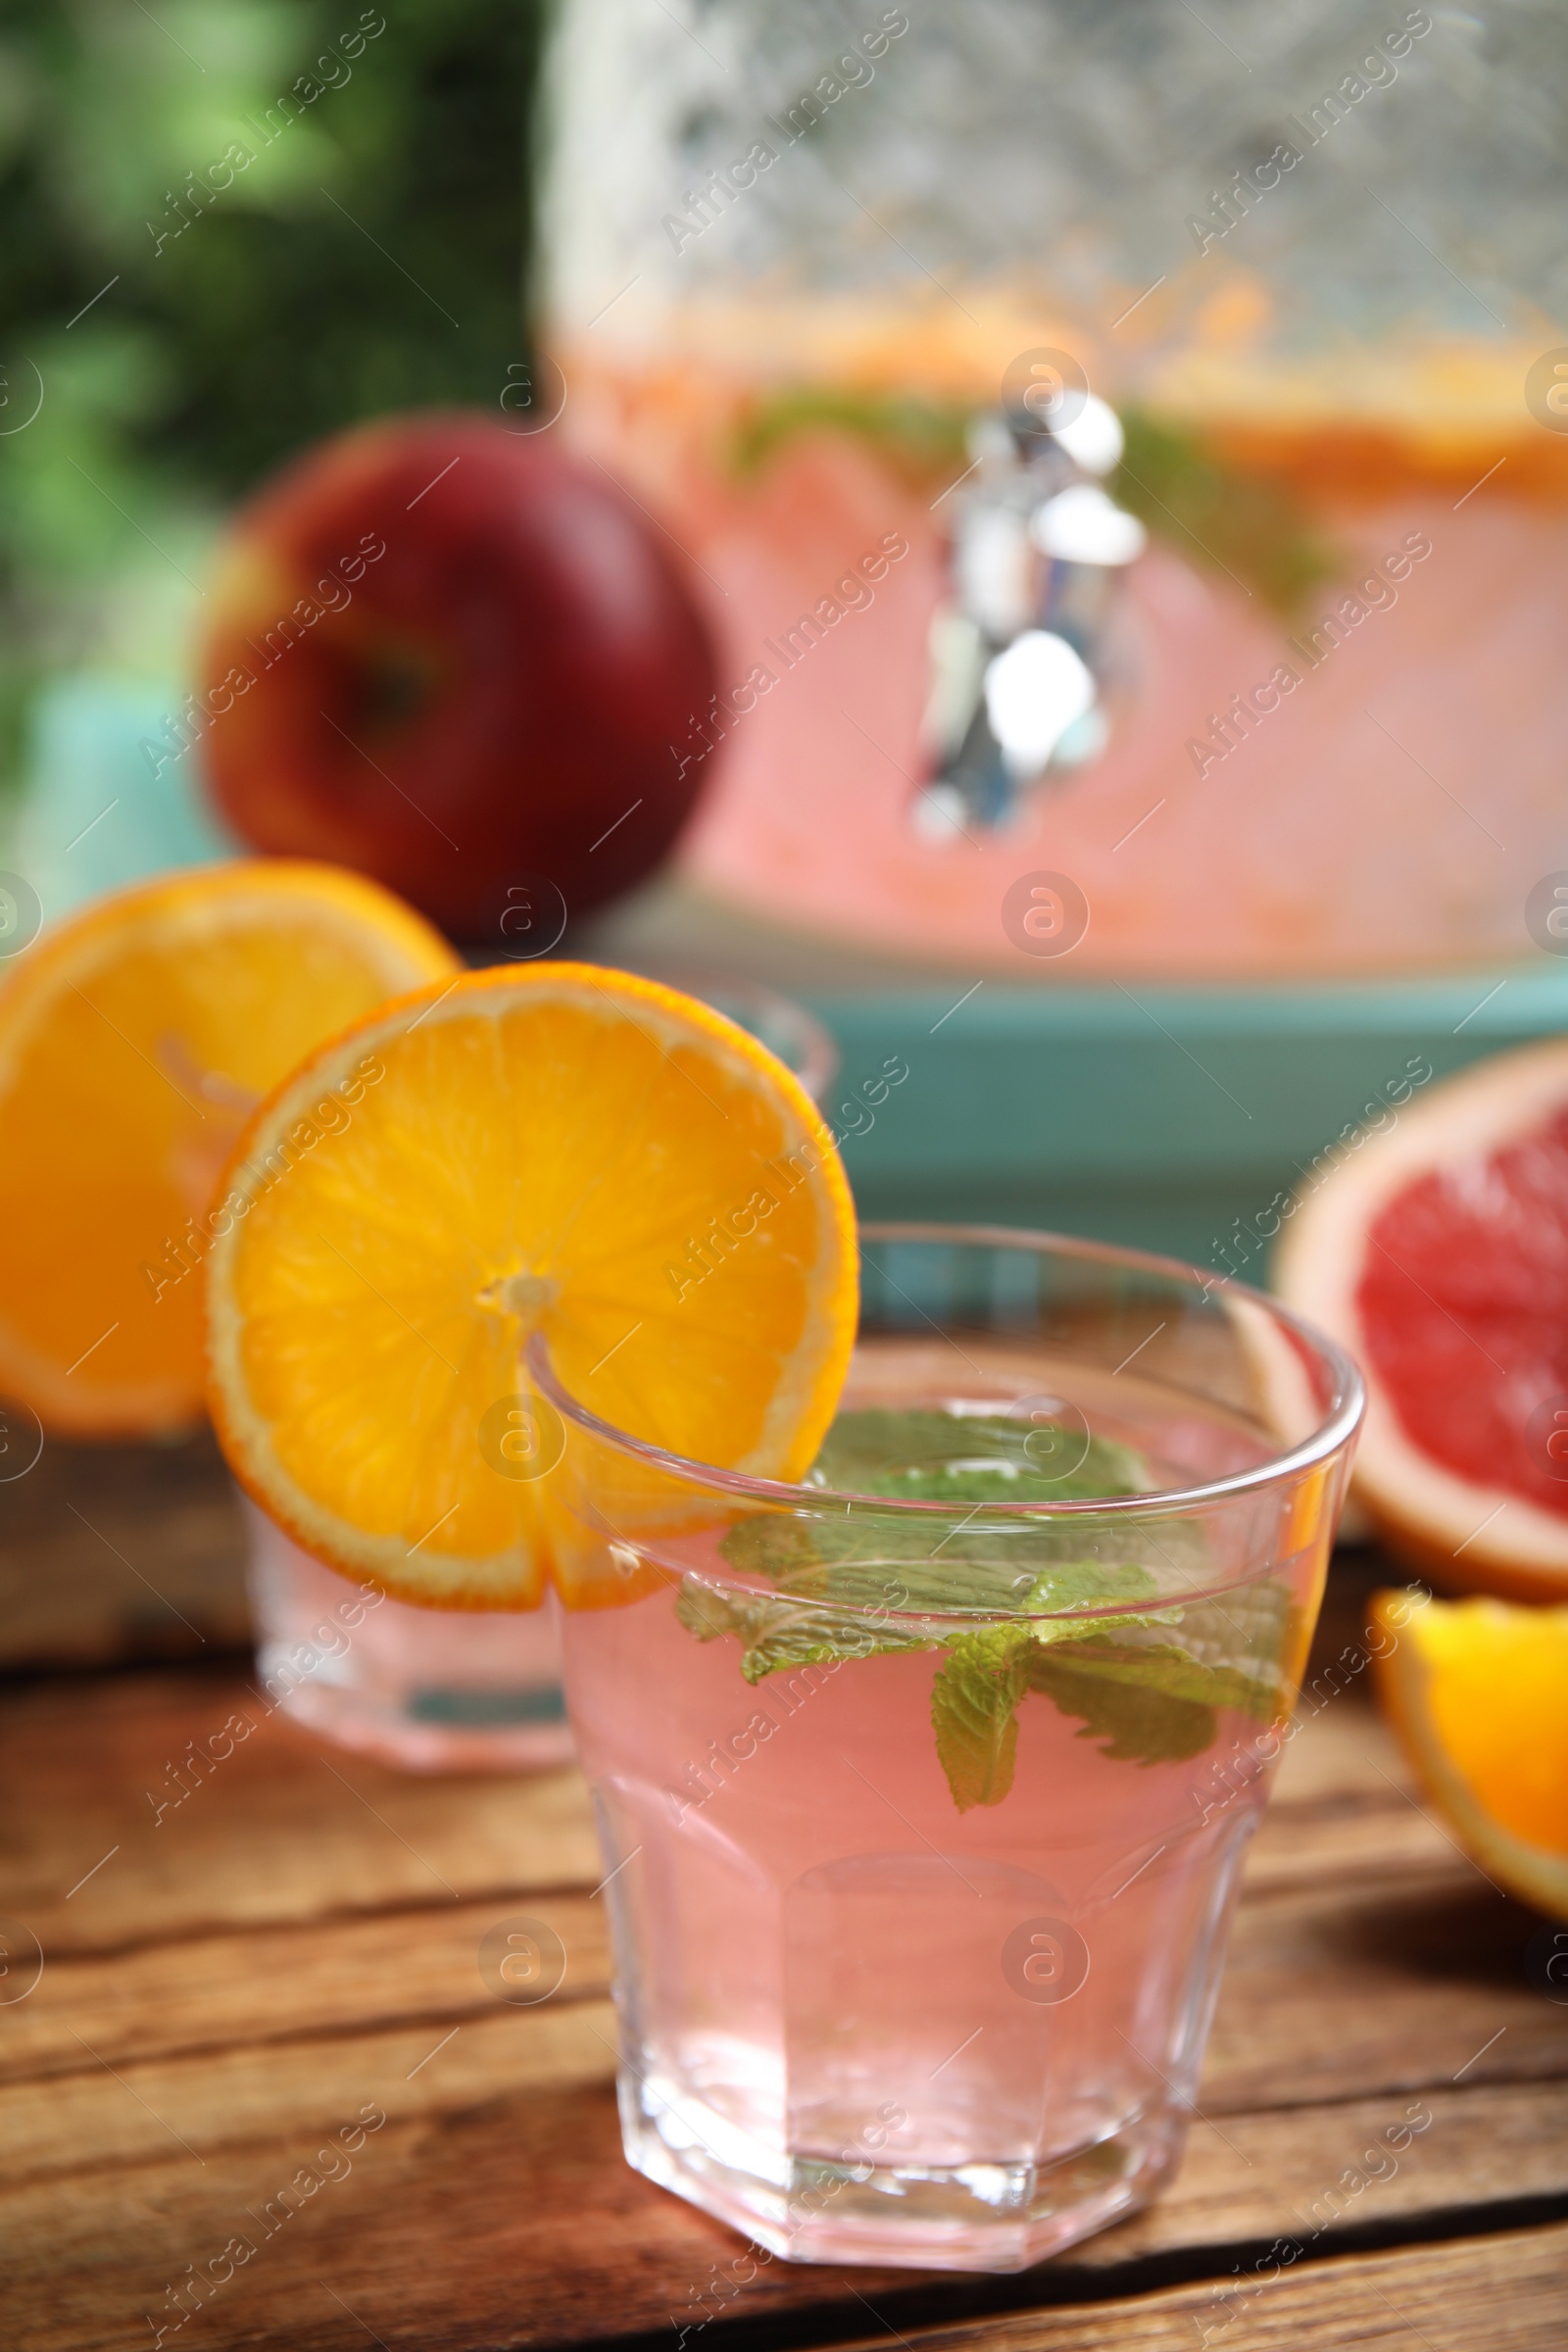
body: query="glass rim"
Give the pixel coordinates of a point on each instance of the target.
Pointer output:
(814, 1041)
(1328, 1438)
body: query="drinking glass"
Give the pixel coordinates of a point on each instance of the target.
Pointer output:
(791, 1034)
(455, 1691)
(428, 1690)
(923, 1817)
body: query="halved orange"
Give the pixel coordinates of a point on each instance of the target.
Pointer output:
(135, 1038)
(556, 1148)
(1478, 1694)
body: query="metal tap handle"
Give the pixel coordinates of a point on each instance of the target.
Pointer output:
(1018, 654)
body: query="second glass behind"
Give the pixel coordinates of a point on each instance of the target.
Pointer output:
(428, 1690)
(455, 1691)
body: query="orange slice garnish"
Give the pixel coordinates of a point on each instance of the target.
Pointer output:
(135, 1039)
(558, 1149)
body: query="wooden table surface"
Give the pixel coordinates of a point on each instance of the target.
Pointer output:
(290, 1954)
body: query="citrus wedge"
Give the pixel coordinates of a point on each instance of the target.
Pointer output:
(135, 1038)
(1437, 1251)
(553, 1147)
(1478, 1693)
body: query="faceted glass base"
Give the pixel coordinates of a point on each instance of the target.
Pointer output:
(973, 2216)
(398, 1732)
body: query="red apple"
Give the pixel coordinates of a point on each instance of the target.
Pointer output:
(455, 657)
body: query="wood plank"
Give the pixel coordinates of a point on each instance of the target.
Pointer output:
(277, 1985)
(1315, 2173)
(133, 2112)
(1345, 1804)
(1509, 2294)
(1331, 1992)
(283, 1828)
(121, 1551)
(510, 2219)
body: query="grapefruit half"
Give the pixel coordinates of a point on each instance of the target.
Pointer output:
(1438, 1254)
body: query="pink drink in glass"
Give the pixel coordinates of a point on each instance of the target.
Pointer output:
(868, 2013)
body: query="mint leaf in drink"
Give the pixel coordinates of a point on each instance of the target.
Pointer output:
(974, 1712)
(975, 1563)
(1085, 1584)
(707, 1612)
(785, 1545)
(974, 1698)
(926, 1455)
(784, 1633)
(1174, 1672)
(1149, 1704)
(975, 1560)
(1257, 1629)
(1146, 1684)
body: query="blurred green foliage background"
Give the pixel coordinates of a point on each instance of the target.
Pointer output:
(184, 335)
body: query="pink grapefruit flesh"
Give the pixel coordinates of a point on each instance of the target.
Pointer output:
(1439, 1253)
